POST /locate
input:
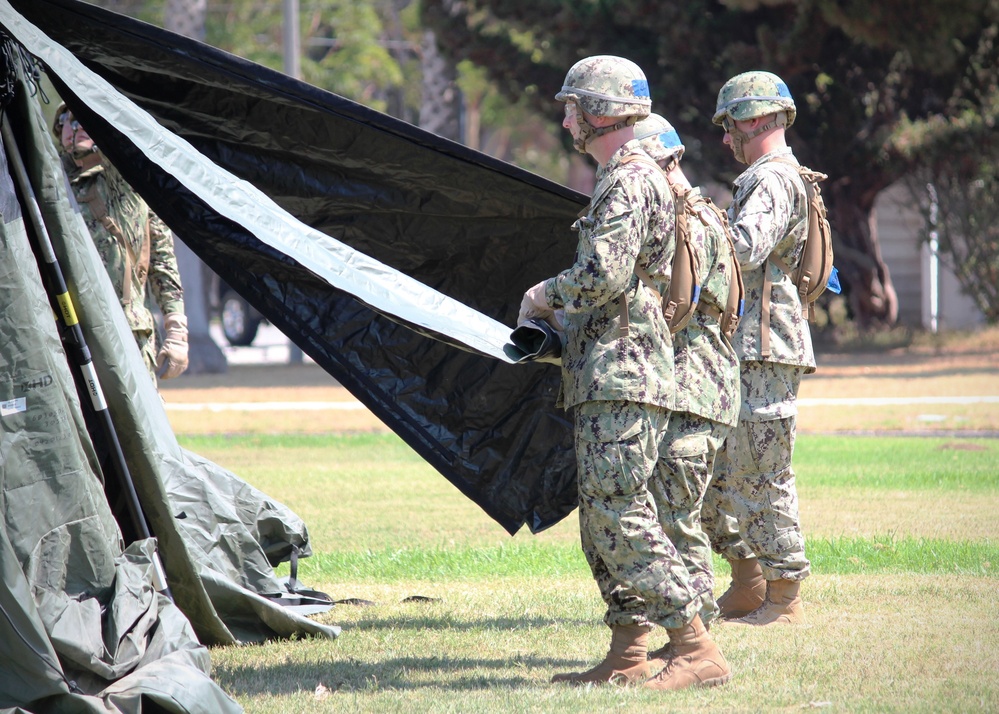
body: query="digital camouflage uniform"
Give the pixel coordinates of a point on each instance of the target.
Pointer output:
(707, 406)
(618, 379)
(119, 237)
(751, 509)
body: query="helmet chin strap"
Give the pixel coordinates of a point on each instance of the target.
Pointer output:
(588, 132)
(741, 138)
(86, 159)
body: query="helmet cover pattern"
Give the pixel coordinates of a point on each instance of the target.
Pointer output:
(659, 139)
(754, 94)
(607, 86)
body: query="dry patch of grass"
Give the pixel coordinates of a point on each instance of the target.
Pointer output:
(962, 365)
(908, 643)
(835, 512)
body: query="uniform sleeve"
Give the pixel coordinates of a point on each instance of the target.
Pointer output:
(164, 275)
(763, 218)
(609, 243)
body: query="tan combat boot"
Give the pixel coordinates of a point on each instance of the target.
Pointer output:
(782, 605)
(625, 663)
(660, 658)
(695, 660)
(746, 591)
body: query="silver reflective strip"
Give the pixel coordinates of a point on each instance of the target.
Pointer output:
(739, 100)
(598, 95)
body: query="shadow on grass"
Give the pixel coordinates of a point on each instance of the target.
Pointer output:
(444, 623)
(353, 675)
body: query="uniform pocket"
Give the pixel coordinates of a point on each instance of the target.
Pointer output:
(616, 450)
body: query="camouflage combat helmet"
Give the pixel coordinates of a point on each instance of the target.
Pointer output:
(750, 95)
(57, 122)
(660, 140)
(754, 94)
(607, 86)
(89, 158)
(604, 86)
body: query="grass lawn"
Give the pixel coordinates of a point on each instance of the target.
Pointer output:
(902, 604)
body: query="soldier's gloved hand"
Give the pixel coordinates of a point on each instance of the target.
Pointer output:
(174, 349)
(534, 304)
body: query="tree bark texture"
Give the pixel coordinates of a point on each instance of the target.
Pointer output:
(857, 252)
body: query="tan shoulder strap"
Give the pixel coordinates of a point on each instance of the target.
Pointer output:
(99, 211)
(814, 265)
(142, 268)
(684, 288)
(625, 324)
(767, 283)
(731, 312)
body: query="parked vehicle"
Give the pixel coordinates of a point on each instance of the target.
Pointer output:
(239, 319)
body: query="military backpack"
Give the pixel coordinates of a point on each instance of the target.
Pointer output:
(813, 270)
(684, 292)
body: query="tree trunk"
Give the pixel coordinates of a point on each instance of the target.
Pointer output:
(440, 108)
(403, 51)
(865, 277)
(187, 17)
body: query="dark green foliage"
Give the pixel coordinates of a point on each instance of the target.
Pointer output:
(862, 74)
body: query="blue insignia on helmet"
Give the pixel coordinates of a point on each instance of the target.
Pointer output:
(670, 139)
(783, 91)
(640, 87)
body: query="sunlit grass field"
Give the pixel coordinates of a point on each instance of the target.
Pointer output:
(902, 605)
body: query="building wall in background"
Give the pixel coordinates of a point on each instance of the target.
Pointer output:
(900, 230)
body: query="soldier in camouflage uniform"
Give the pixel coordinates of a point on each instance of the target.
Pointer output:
(617, 377)
(707, 375)
(751, 510)
(135, 245)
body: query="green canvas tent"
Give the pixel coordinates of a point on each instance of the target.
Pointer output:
(83, 626)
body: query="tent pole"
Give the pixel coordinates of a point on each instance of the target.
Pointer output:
(79, 348)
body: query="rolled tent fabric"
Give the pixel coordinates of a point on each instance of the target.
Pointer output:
(462, 235)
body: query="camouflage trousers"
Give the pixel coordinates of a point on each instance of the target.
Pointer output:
(751, 507)
(686, 461)
(641, 577)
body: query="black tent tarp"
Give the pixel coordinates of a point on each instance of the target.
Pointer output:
(473, 228)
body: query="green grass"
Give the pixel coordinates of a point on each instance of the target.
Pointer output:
(902, 607)
(907, 463)
(842, 556)
(842, 461)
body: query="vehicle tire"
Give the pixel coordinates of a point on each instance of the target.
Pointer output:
(239, 320)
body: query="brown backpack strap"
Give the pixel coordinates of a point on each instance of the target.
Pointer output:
(142, 269)
(808, 178)
(767, 283)
(644, 276)
(709, 310)
(684, 291)
(625, 327)
(99, 211)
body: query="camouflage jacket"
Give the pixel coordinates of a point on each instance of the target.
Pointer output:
(613, 353)
(707, 368)
(119, 238)
(768, 213)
